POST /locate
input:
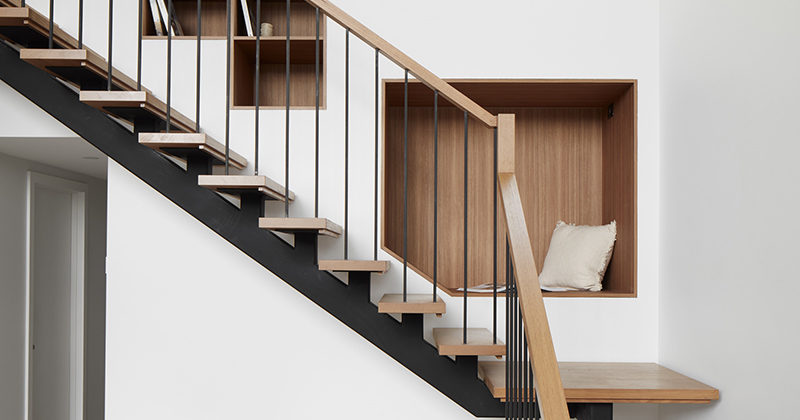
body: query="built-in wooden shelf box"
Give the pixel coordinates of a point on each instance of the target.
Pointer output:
(272, 79)
(575, 161)
(213, 16)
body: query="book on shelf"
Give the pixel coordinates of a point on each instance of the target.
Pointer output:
(248, 17)
(156, 18)
(176, 26)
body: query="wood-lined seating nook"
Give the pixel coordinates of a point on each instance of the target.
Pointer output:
(576, 161)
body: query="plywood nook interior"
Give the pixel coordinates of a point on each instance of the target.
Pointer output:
(272, 72)
(575, 161)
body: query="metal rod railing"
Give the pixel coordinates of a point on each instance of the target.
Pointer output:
(405, 187)
(198, 66)
(435, 191)
(466, 216)
(375, 219)
(316, 116)
(288, 103)
(50, 28)
(228, 87)
(256, 87)
(494, 239)
(110, 37)
(170, 17)
(139, 47)
(346, 136)
(80, 23)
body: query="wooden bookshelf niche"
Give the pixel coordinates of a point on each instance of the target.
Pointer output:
(213, 15)
(576, 161)
(272, 78)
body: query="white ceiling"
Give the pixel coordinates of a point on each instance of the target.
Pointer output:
(69, 153)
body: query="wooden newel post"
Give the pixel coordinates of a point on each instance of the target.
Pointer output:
(549, 390)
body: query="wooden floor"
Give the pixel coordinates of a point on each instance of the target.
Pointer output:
(613, 383)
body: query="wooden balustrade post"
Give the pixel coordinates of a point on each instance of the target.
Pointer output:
(549, 390)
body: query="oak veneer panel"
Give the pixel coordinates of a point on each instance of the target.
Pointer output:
(620, 190)
(573, 164)
(493, 93)
(272, 72)
(614, 383)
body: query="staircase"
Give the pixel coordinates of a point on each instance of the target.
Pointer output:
(169, 151)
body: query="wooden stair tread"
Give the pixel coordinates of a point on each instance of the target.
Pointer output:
(172, 143)
(53, 61)
(112, 101)
(415, 304)
(613, 383)
(238, 184)
(300, 224)
(36, 23)
(449, 341)
(371, 266)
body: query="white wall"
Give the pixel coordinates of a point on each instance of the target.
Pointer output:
(13, 189)
(579, 39)
(730, 202)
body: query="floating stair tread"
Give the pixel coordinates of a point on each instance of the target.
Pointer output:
(36, 23)
(54, 61)
(173, 143)
(449, 341)
(238, 184)
(414, 304)
(300, 224)
(371, 266)
(613, 383)
(114, 101)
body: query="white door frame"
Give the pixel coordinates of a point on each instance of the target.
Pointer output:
(78, 264)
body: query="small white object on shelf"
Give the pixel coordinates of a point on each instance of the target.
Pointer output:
(248, 17)
(266, 29)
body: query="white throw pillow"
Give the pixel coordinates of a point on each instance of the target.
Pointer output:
(578, 257)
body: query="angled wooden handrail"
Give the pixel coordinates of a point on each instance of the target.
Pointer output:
(549, 390)
(398, 57)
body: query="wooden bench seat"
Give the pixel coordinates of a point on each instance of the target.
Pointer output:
(131, 106)
(84, 68)
(613, 383)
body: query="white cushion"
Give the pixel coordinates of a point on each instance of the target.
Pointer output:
(578, 257)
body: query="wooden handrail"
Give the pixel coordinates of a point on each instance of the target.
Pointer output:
(549, 390)
(398, 57)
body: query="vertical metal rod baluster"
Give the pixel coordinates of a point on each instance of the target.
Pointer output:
(80, 22)
(346, 137)
(508, 338)
(170, 16)
(524, 372)
(316, 118)
(405, 187)
(110, 37)
(22, 4)
(139, 47)
(50, 27)
(197, 73)
(513, 348)
(288, 104)
(228, 87)
(256, 86)
(519, 346)
(375, 221)
(494, 241)
(531, 392)
(466, 217)
(435, 191)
